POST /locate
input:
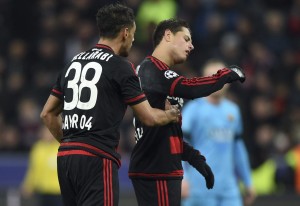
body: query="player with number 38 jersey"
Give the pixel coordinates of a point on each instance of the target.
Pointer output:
(90, 88)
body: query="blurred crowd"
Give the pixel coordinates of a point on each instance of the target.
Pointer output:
(38, 37)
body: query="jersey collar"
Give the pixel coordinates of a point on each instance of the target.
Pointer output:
(104, 46)
(156, 61)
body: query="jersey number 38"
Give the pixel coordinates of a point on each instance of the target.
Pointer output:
(79, 82)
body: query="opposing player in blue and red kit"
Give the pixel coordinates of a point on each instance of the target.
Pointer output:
(155, 166)
(91, 95)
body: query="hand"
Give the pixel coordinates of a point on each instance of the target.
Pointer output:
(249, 196)
(205, 170)
(200, 164)
(172, 111)
(167, 105)
(185, 191)
(239, 72)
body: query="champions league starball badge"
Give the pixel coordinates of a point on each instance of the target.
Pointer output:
(169, 74)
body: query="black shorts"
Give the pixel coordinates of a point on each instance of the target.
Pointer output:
(157, 192)
(88, 180)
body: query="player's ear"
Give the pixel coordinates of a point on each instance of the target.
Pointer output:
(168, 35)
(125, 32)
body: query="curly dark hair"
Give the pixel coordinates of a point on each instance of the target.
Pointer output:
(174, 25)
(112, 18)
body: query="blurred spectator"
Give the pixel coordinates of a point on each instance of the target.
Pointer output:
(294, 19)
(83, 39)
(67, 21)
(284, 176)
(275, 32)
(277, 4)
(272, 172)
(10, 139)
(17, 65)
(41, 176)
(264, 168)
(293, 159)
(230, 48)
(45, 68)
(2, 71)
(28, 121)
(151, 12)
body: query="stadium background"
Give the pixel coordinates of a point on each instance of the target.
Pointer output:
(262, 36)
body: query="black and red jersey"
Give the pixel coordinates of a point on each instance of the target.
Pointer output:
(159, 150)
(96, 88)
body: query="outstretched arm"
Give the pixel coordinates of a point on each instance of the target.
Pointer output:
(203, 86)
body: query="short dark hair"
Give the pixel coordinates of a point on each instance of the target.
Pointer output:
(174, 25)
(112, 18)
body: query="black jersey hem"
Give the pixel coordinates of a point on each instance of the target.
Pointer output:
(177, 174)
(157, 177)
(70, 145)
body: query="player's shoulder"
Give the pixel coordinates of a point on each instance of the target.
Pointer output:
(152, 66)
(119, 61)
(151, 61)
(230, 104)
(145, 67)
(146, 63)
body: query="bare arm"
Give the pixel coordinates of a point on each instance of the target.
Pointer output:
(51, 116)
(155, 117)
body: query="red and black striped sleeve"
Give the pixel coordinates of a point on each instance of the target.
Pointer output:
(135, 100)
(196, 87)
(57, 90)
